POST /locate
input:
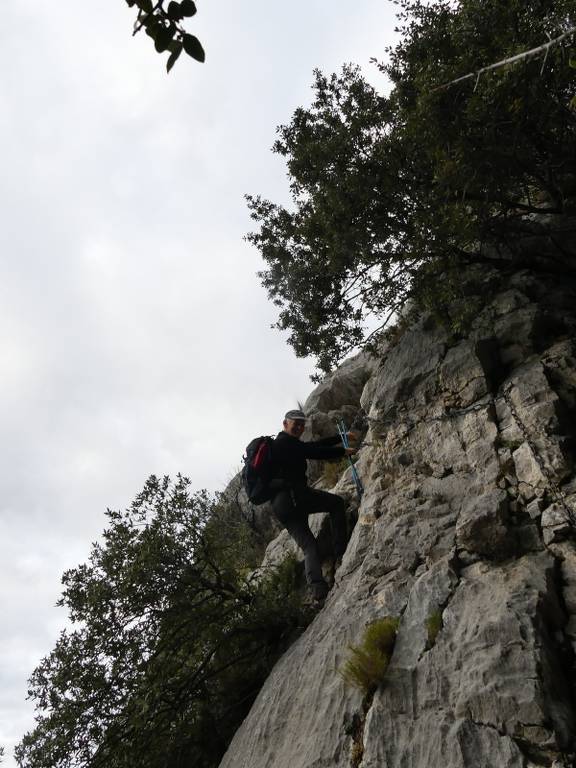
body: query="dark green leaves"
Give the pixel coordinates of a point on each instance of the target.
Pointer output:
(193, 47)
(164, 26)
(175, 11)
(145, 5)
(163, 38)
(173, 58)
(392, 196)
(188, 7)
(168, 637)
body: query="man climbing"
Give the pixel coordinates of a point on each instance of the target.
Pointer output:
(293, 500)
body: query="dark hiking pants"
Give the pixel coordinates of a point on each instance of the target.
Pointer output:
(292, 507)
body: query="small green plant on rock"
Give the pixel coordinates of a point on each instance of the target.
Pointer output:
(512, 445)
(433, 626)
(367, 664)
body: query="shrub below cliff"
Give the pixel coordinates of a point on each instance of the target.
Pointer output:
(170, 641)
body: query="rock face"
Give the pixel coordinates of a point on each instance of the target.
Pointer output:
(468, 515)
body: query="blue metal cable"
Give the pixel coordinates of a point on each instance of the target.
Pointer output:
(344, 437)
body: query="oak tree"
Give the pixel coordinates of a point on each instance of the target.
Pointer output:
(395, 195)
(170, 639)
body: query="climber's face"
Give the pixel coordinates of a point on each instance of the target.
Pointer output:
(294, 427)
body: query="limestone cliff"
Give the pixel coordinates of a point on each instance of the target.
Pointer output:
(470, 481)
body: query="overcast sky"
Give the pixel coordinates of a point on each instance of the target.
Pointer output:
(134, 334)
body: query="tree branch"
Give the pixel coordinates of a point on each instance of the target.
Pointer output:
(511, 60)
(142, 18)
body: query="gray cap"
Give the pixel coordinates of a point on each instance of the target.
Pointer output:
(295, 416)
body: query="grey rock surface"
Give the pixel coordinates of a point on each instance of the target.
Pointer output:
(470, 442)
(482, 524)
(259, 518)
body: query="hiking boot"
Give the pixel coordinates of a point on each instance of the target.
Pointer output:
(319, 591)
(328, 571)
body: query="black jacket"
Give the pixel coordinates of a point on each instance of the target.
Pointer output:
(289, 455)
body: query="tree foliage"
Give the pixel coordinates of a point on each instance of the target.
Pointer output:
(170, 642)
(394, 195)
(162, 21)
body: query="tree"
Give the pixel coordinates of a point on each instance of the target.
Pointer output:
(395, 196)
(324, 256)
(164, 26)
(170, 643)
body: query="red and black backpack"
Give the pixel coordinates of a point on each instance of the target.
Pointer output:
(257, 470)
